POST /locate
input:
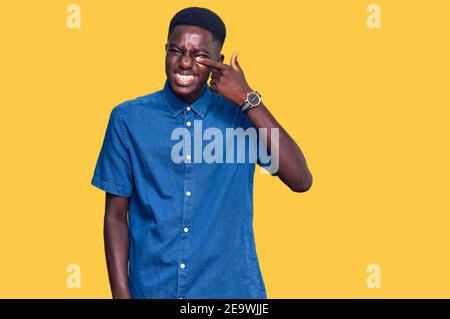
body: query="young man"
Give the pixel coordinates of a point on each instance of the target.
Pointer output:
(189, 231)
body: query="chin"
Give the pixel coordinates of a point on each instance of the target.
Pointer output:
(185, 90)
(181, 90)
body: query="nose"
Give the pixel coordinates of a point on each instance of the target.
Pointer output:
(186, 61)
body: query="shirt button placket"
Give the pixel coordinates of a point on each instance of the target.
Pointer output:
(183, 268)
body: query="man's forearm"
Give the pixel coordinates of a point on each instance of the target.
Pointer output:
(292, 169)
(117, 254)
(229, 81)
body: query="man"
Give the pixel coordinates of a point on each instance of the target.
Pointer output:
(189, 231)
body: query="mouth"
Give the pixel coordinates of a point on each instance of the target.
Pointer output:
(184, 80)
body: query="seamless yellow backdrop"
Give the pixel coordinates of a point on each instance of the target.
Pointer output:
(369, 108)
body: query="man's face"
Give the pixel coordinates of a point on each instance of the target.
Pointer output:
(187, 77)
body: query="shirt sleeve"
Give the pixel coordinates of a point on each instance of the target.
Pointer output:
(113, 172)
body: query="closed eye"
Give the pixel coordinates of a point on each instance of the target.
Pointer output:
(175, 51)
(202, 55)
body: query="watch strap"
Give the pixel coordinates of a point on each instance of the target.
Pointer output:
(245, 107)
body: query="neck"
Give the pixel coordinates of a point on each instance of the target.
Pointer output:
(191, 98)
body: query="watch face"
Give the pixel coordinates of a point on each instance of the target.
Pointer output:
(253, 99)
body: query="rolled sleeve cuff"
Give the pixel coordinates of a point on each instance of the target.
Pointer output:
(111, 187)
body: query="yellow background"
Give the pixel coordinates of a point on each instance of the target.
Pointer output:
(369, 108)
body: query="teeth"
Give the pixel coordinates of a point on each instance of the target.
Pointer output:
(184, 78)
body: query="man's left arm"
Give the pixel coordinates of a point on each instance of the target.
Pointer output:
(230, 82)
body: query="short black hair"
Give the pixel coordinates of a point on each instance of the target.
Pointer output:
(202, 18)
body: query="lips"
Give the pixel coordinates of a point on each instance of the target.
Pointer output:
(184, 79)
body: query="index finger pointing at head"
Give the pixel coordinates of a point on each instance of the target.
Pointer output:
(213, 64)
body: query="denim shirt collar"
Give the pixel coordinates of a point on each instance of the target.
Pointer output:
(177, 106)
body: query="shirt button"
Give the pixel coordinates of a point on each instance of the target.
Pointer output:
(188, 108)
(182, 266)
(186, 229)
(188, 157)
(188, 123)
(188, 193)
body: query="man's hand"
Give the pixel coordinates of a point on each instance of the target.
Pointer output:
(227, 80)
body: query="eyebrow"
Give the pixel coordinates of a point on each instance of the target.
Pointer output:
(171, 45)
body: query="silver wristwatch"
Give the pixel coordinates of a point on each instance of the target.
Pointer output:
(253, 100)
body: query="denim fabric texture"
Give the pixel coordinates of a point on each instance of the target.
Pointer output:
(190, 223)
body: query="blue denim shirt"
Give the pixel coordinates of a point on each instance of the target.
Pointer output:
(190, 223)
